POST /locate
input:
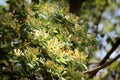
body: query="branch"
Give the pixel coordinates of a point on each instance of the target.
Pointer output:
(91, 73)
(103, 63)
(110, 52)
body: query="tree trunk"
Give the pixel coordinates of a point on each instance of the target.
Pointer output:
(75, 6)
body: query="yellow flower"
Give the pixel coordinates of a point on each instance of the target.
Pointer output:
(17, 52)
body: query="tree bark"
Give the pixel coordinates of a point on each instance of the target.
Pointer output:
(75, 6)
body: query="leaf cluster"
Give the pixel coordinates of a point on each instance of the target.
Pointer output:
(47, 43)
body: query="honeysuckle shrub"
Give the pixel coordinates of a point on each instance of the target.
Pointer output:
(48, 43)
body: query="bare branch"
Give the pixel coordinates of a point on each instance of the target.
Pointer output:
(110, 52)
(92, 72)
(103, 63)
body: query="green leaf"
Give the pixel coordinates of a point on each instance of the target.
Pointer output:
(30, 65)
(55, 31)
(84, 66)
(59, 36)
(62, 60)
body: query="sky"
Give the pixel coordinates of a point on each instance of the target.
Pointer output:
(2, 2)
